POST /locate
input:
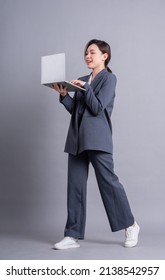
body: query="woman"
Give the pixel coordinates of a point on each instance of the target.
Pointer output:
(89, 140)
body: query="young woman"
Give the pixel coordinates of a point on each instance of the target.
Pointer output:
(89, 140)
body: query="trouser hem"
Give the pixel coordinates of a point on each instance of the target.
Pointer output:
(123, 227)
(74, 235)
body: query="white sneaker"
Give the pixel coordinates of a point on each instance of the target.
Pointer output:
(67, 243)
(131, 236)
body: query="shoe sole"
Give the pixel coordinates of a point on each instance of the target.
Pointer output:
(130, 246)
(65, 248)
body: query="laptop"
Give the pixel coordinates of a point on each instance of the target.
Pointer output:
(53, 71)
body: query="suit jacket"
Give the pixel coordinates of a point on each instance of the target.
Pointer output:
(90, 126)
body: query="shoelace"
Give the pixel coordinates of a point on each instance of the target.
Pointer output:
(129, 233)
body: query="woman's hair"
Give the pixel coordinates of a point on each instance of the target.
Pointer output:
(103, 47)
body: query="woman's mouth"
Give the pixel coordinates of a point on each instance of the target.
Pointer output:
(88, 61)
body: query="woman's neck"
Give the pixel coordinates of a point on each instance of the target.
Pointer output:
(96, 71)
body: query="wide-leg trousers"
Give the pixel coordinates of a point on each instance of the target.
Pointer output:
(112, 193)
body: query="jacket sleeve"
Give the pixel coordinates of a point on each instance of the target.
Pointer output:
(68, 102)
(99, 101)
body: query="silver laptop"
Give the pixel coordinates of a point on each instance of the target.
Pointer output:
(53, 71)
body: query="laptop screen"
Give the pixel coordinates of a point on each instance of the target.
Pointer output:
(53, 68)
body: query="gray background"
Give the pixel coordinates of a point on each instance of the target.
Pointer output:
(33, 125)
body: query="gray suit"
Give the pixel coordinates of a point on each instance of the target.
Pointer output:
(94, 107)
(89, 140)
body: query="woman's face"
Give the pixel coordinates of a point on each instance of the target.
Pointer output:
(94, 58)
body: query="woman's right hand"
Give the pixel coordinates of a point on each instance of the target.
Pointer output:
(62, 90)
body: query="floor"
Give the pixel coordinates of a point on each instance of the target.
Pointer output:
(39, 246)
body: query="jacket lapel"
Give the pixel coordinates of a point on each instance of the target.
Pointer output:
(96, 83)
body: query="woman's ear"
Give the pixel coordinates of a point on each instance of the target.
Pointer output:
(105, 56)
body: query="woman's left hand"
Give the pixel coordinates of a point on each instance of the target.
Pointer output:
(78, 83)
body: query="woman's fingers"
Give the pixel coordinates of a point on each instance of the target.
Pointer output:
(56, 87)
(62, 90)
(78, 82)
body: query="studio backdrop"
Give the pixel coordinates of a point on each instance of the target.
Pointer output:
(33, 124)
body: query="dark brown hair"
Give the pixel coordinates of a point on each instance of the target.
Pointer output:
(103, 47)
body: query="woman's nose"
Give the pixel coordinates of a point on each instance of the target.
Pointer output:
(88, 56)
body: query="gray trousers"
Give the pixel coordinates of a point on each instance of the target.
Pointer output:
(112, 193)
